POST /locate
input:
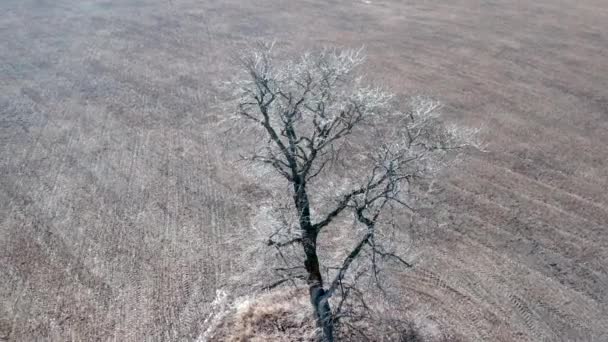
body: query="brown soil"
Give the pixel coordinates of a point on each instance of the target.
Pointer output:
(114, 199)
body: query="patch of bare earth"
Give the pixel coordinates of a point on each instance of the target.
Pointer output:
(116, 200)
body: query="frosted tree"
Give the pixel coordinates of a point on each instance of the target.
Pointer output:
(344, 150)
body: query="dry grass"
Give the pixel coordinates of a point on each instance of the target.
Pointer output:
(116, 200)
(285, 315)
(281, 315)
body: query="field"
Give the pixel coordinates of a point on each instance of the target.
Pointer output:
(116, 199)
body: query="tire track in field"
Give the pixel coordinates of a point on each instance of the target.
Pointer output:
(507, 202)
(590, 248)
(563, 201)
(510, 201)
(501, 295)
(592, 275)
(524, 260)
(550, 177)
(523, 308)
(490, 211)
(460, 301)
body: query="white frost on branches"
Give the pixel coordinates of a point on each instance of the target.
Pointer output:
(340, 147)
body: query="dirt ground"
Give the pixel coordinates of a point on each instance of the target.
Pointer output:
(115, 200)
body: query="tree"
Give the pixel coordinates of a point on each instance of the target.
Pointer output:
(321, 122)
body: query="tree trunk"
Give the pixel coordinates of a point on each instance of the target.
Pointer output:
(318, 297)
(323, 314)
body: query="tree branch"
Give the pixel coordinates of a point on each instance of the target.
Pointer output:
(343, 203)
(346, 264)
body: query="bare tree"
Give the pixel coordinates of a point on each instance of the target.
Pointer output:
(321, 122)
